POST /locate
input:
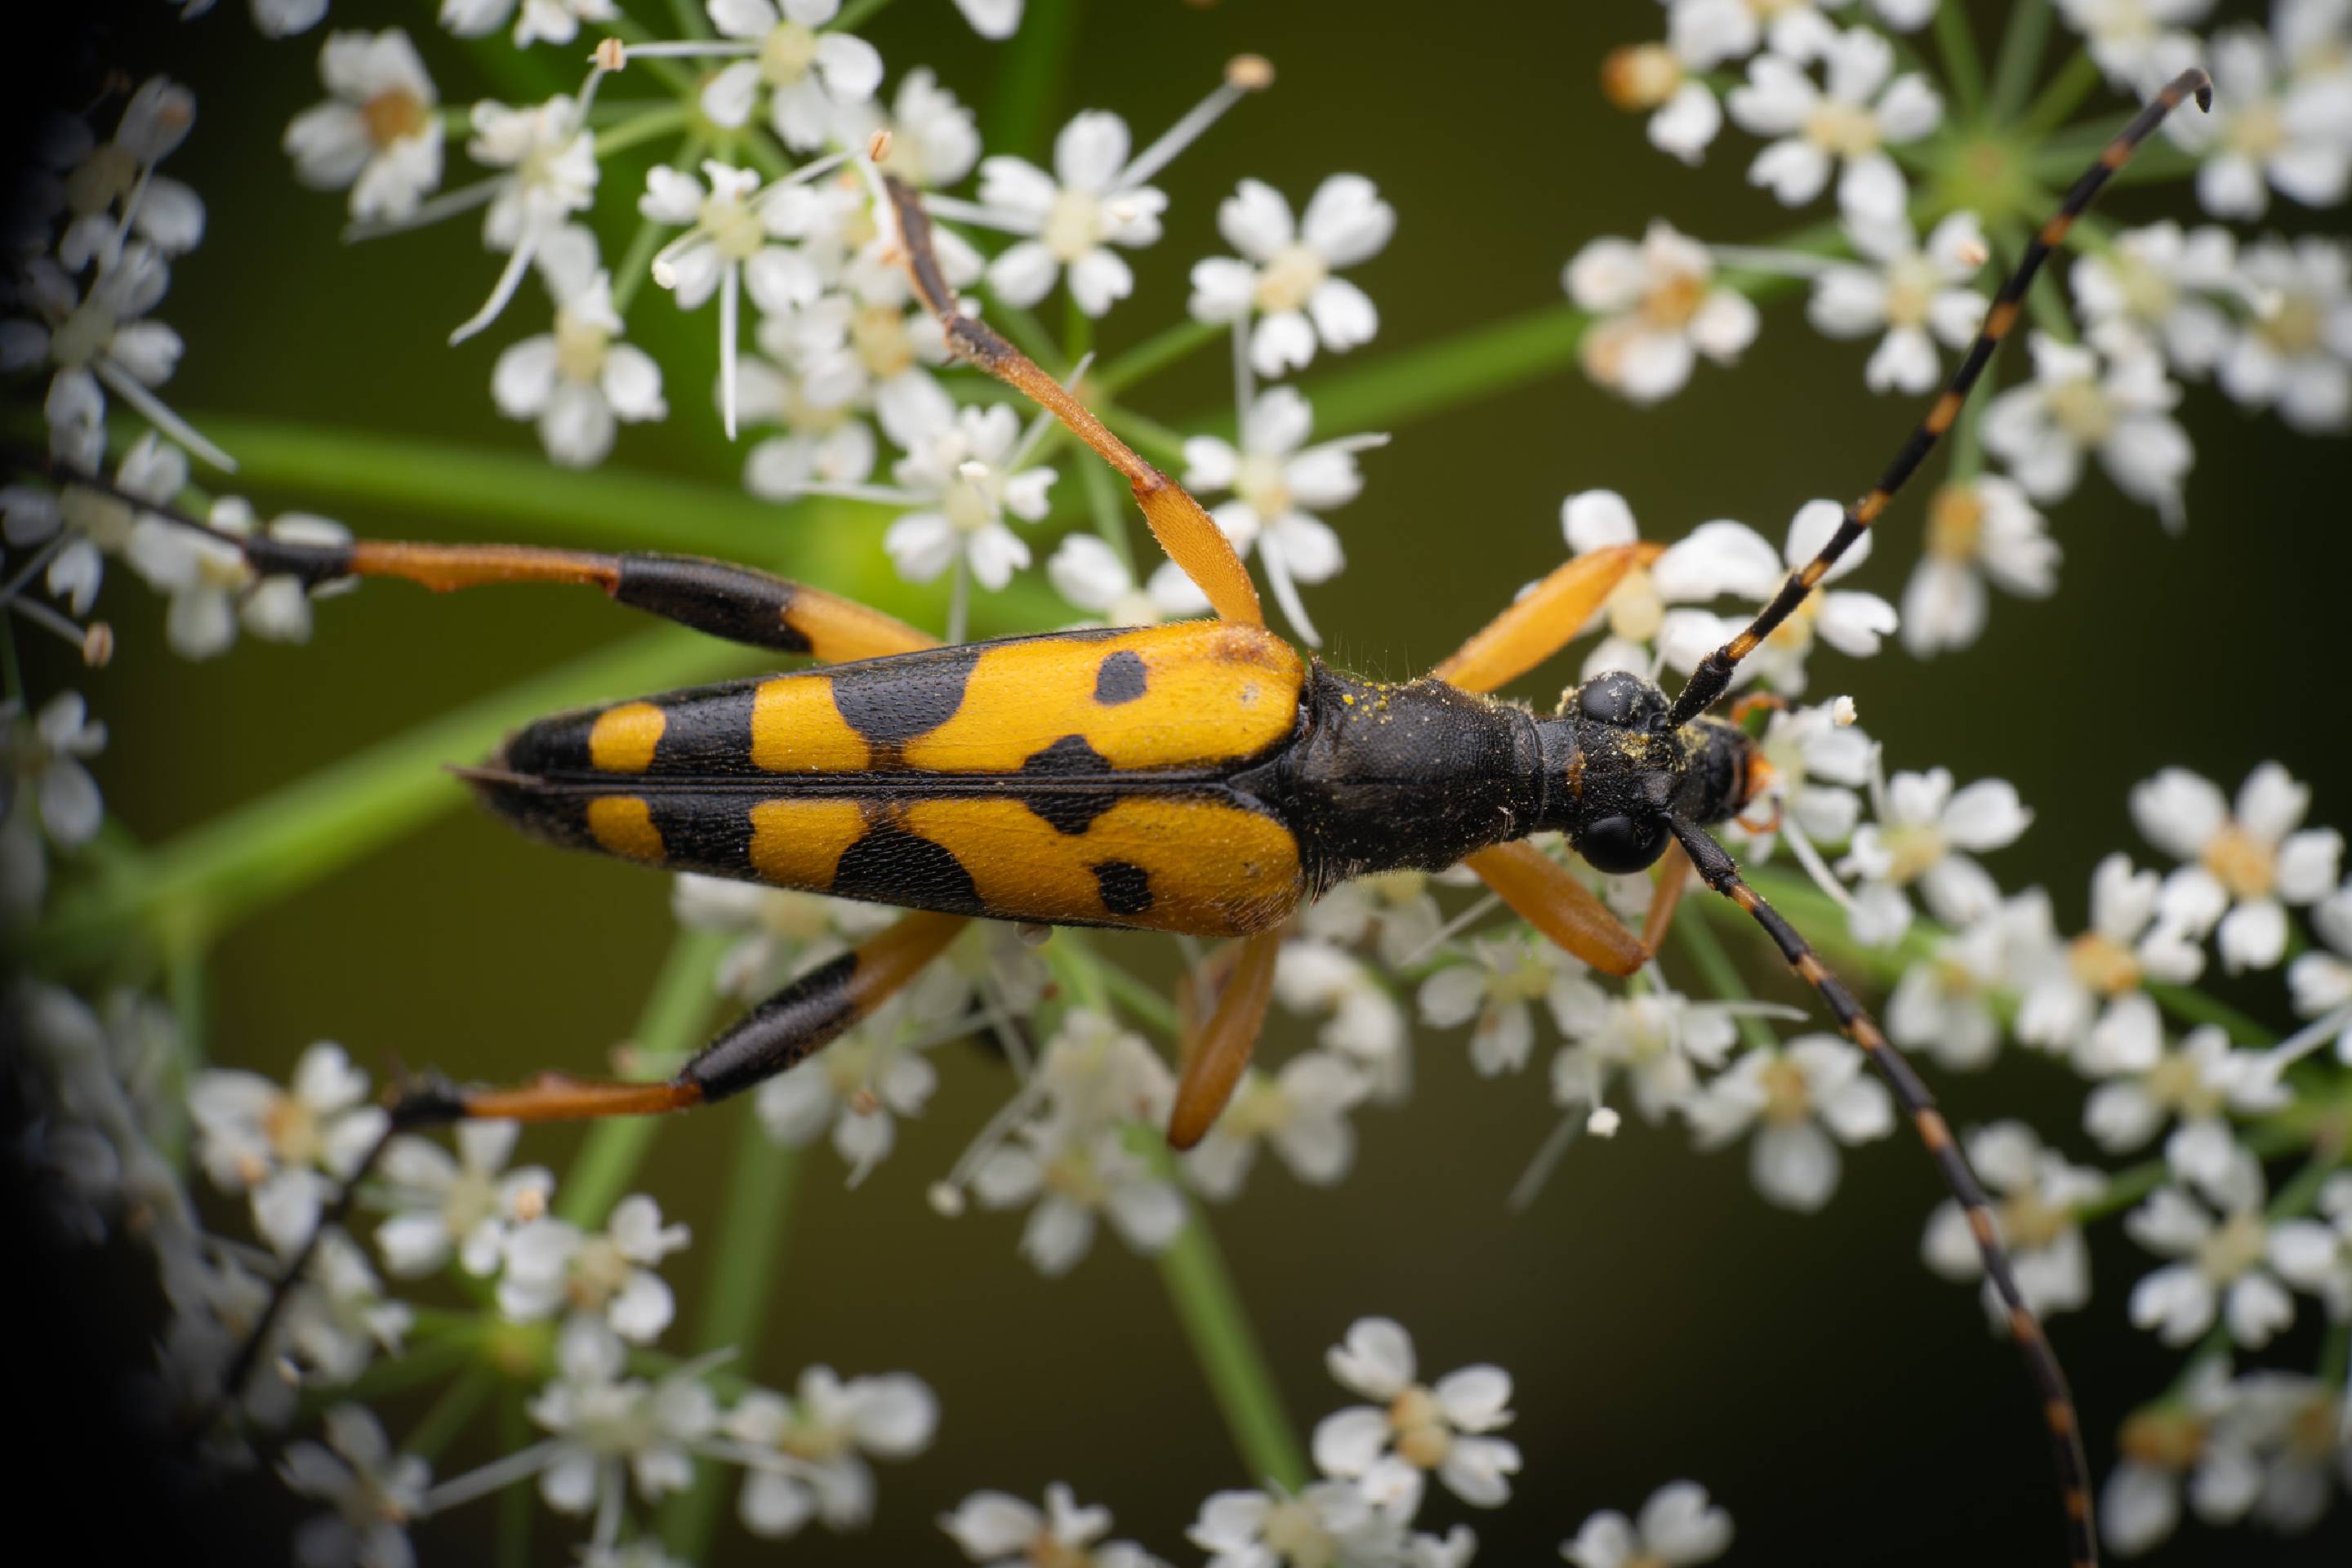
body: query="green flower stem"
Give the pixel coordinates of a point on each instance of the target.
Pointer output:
(2128, 1186)
(1157, 352)
(2335, 1354)
(2194, 1007)
(637, 263)
(2019, 60)
(744, 1272)
(426, 1362)
(451, 1413)
(512, 1549)
(2076, 80)
(853, 15)
(1963, 66)
(1722, 976)
(1201, 1288)
(1029, 76)
(1148, 437)
(1145, 1001)
(678, 1011)
(692, 21)
(275, 844)
(1078, 334)
(646, 126)
(1110, 518)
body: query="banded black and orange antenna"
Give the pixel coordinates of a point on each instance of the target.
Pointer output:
(1716, 869)
(1712, 676)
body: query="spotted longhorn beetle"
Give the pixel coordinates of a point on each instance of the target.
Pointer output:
(1199, 778)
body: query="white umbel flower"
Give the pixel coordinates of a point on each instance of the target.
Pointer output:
(1505, 978)
(1278, 484)
(374, 1491)
(1925, 837)
(2263, 134)
(825, 1433)
(1684, 114)
(378, 132)
(1725, 557)
(1329, 1522)
(2321, 979)
(857, 1089)
(1003, 1531)
(1078, 1173)
(285, 1146)
(2296, 354)
(1284, 281)
(1415, 1429)
(1845, 122)
(552, 1265)
(1917, 295)
(1982, 530)
(808, 73)
(2244, 866)
(552, 157)
(1803, 1101)
(2035, 1193)
(214, 591)
(579, 382)
(1301, 1113)
(2092, 987)
(2163, 282)
(2225, 1268)
(464, 1206)
(1678, 1527)
(1090, 574)
(1659, 309)
(2138, 43)
(1072, 217)
(961, 480)
(2113, 400)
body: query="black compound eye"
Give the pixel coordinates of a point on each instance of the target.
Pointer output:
(1622, 699)
(1620, 844)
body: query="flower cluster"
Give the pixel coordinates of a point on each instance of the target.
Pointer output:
(740, 168)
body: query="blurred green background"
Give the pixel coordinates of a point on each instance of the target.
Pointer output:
(1659, 1321)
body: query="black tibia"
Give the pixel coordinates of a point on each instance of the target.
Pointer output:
(726, 601)
(803, 1018)
(1388, 777)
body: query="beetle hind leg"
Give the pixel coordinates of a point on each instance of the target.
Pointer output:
(1217, 1052)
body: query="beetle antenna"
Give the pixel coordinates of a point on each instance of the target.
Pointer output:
(1708, 681)
(1719, 872)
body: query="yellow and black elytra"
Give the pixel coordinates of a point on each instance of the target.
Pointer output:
(1199, 778)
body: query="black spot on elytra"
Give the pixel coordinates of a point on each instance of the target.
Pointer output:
(892, 866)
(892, 701)
(1069, 811)
(1126, 887)
(710, 833)
(707, 732)
(1121, 677)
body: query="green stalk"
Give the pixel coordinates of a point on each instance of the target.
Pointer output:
(1110, 518)
(451, 1413)
(646, 127)
(743, 1270)
(274, 846)
(610, 506)
(512, 1549)
(1157, 352)
(691, 19)
(2020, 58)
(1201, 1288)
(677, 1010)
(855, 14)
(1029, 79)
(1962, 64)
(2076, 81)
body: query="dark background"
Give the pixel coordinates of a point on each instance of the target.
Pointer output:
(1658, 1320)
